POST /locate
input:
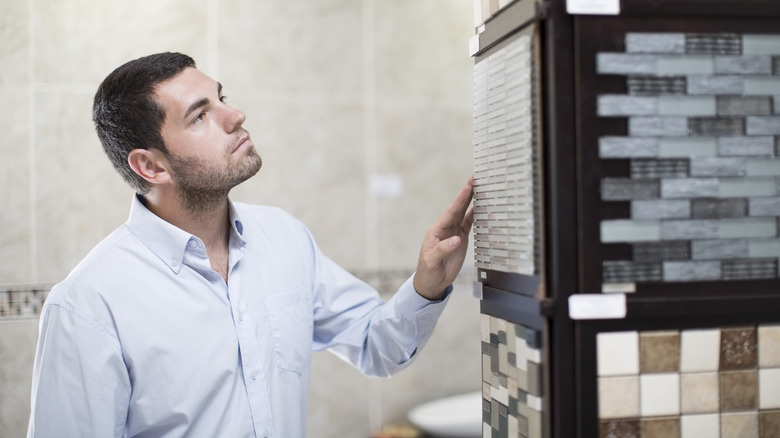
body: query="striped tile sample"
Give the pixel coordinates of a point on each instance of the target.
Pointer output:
(506, 204)
(512, 376)
(715, 383)
(703, 118)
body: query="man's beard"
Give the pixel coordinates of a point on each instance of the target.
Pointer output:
(203, 187)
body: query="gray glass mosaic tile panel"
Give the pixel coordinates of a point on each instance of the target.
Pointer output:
(703, 153)
(506, 199)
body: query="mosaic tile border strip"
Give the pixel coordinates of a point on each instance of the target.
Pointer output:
(719, 383)
(22, 301)
(703, 145)
(506, 204)
(27, 301)
(512, 380)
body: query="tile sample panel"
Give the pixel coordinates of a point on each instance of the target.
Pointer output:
(715, 383)
(703, 118)
(506, 157)
(513, 394)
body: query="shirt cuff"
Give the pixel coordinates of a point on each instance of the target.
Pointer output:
(424, 312)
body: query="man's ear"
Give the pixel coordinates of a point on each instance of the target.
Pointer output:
(149, 164)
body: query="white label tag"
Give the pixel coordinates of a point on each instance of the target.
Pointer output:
(594, 7)
(477, 291)
(473, 45)
(597, 306)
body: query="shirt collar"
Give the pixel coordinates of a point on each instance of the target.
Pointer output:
(167, 241)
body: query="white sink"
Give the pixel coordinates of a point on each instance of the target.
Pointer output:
(456, 416)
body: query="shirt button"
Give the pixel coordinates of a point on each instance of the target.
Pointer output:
(174, 263)
(253, 376)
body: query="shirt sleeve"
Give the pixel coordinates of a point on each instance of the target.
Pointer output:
(80, 383)
(355, 323)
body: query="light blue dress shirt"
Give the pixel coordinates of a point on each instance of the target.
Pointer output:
(144, 339)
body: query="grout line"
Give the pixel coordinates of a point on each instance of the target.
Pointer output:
(375, 419)
(370, 136)
(212, 38)
(31, 141)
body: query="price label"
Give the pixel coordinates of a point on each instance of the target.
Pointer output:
(593, 7)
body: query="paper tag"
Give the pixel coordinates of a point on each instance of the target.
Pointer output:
(477, 290)
(473, 45)
(595, 7)
(597, 306)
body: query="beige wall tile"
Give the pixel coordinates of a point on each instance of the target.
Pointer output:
(417, 57)
(301, 47)
(618, 397)
(739, 425)
(338, 399)
(81, 41)
(15, 37)
(17, 352)
(444, 367)
(15, 233)
(769, 346)
(312, 167)
(79, 196)
(699, 393)
(430, 150)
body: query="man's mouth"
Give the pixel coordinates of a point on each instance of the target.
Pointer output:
(244, 142)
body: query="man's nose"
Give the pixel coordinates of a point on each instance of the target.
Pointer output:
(235, 119)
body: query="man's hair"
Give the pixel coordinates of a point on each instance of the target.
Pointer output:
(126, 114)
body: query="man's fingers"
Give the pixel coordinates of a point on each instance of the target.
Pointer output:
(459, 207)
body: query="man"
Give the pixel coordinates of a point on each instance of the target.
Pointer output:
(198, 316)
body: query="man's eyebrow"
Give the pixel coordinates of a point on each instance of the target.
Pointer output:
(202, 102)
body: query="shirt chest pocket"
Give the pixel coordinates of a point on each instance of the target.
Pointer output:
(290, 317)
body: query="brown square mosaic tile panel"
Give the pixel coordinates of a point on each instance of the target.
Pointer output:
(715, 383)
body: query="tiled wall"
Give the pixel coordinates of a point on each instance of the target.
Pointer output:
(513, 393)
(714, 383)
(506, 204)
(338, 93)
(703, 140)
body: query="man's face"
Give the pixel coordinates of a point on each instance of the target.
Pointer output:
(208, 149)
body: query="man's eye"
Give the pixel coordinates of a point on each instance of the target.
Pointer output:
(222, 98)
(199, 118)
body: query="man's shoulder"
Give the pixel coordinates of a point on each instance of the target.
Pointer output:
(265, 215)
(107, 259)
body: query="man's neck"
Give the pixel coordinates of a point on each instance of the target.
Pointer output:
(210, 222)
